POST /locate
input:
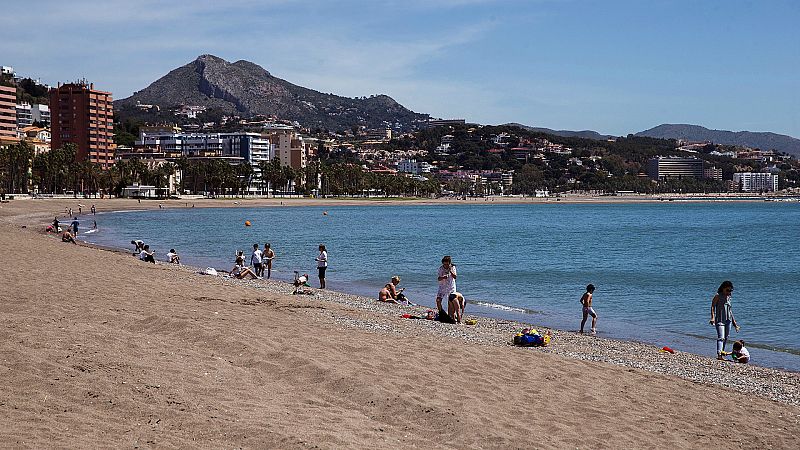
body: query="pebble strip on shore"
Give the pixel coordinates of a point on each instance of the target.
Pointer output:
(370, 315)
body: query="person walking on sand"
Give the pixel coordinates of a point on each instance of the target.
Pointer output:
(722, 316)
(266, 259)
(322, 265)
(447, 280)
(588, 310)
(256, 261)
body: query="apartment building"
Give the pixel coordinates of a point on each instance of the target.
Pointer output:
(755, 181)
(8, 114)
(83, 116)
(413, 166)
(712, 173)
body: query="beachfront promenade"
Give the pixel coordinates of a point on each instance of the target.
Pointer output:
(100, 349)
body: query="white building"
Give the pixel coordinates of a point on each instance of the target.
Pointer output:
(756, 181)
(412, 166)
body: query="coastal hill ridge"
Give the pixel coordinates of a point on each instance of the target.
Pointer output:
(762, 140)
(247, 89)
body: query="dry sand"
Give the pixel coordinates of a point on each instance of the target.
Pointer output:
(100, 350)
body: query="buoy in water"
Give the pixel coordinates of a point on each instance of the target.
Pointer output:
(247, 223)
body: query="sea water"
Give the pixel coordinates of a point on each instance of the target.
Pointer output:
(656, 266)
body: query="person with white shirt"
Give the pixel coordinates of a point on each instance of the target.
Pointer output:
(322, 265)
(256, 260)
(447, 281)
(173, 257)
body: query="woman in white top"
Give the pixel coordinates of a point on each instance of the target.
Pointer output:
(322, 265)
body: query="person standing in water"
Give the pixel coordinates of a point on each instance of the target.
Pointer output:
(267, 256)
(256, 261)
(722, 316)
(586, 301)
(322, 265)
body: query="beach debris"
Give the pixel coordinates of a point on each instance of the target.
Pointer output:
(210, 271)
(666, 349)
(471, 321)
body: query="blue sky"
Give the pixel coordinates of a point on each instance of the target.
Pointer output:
(610, 66)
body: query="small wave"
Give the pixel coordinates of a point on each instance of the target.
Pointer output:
(503, 307)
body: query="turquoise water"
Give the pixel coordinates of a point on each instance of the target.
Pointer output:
(655, 266)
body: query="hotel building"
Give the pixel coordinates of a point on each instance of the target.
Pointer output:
(674, 167)
(83, 116)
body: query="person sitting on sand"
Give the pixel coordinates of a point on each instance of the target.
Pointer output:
(390, 293)
(67, 237)
(586, 301)
(240, 270)
(146, 255)
(173, 257)
(56, 228)
(455, 306)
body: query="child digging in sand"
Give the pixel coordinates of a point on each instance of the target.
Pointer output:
(586, 301)
(739, 353)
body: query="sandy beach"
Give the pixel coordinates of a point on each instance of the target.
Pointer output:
(101, 350)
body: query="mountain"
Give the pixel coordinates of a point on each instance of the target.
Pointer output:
(247, 89)
(586, 134)
(762, 140)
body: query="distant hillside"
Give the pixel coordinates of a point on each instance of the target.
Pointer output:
(762, 140)
(586, 134)
(247, 89)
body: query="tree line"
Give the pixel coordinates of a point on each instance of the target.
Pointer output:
(57, 172)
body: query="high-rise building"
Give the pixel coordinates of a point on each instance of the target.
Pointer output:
(674, 167)
(755, 181)
(83, 116)
(8, 113)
